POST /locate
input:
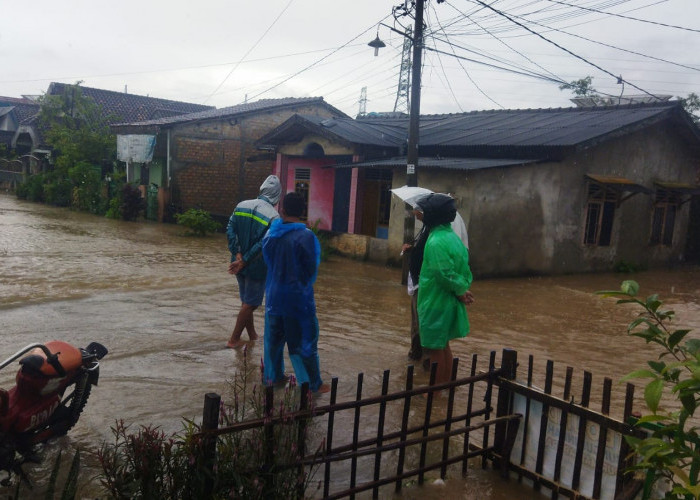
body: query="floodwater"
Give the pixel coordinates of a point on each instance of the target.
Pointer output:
(164, 306)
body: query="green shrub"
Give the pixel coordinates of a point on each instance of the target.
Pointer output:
(197, 221)
(87, 187)
(323, 239)
(622, 266)
(32, 189)
(58, 191)
(671, 452)
(147, 463)
(131, 203)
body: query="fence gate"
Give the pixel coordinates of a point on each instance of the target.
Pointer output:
(378, 442)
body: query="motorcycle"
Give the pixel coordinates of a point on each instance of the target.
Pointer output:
(52, 387)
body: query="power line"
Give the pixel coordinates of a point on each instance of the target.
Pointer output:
(320, 60)
(619, 78)
(468, 76)
(612, 46)
(625, 17)
(249, 50)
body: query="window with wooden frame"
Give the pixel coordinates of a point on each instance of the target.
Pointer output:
(666, 203)
(302, 183)
(600, 214)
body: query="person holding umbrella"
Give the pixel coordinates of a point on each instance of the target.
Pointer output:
(445, 278)
(412, 196)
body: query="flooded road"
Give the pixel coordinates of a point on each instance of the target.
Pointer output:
(164, 306)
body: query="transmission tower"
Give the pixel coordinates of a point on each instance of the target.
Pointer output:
(402, 104)
(363, 103)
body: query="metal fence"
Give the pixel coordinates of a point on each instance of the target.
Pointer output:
(379, 442)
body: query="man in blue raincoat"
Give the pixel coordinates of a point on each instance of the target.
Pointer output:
(292, 254)
(247, 225)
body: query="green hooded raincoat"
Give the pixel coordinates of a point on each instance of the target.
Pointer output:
(444, 276)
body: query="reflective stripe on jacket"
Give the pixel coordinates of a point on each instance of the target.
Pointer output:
(247, 225)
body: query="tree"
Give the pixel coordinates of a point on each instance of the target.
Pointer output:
(582, 87)
(76, 128)
(691, 103)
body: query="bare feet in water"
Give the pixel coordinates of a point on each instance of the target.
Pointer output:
(235, 344)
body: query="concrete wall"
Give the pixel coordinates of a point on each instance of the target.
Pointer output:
(208, 159)
(530, 219)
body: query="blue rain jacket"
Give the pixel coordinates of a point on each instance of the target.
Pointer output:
(292, 254)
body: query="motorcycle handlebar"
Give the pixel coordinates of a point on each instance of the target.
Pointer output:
(51, 358)
(23, 351)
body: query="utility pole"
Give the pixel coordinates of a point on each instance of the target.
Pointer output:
(413, 125)
(414, 117)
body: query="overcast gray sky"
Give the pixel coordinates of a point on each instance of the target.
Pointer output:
(222, 52)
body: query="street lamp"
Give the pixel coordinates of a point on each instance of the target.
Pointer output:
(376, 44)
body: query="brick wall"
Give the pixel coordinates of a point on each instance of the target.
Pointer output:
(207, 159)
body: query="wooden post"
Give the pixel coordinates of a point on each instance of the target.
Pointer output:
(301, 442)
(268, 443)
(210, 421)
(509, 362)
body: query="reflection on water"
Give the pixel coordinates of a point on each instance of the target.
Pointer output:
(164, 305)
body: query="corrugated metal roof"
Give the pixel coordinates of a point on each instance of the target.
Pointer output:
(516, 128)
(443, 163)
(541, 127)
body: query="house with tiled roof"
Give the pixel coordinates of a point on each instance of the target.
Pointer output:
(208, 159)
(542, 191)
(20, 131)
(15, 112)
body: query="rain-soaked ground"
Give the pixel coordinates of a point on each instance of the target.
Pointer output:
(164, 305)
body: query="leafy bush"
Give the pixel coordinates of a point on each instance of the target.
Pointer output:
(132, 204)
(671, 452)
(197, 221)
(32, 189)
(147, 463)
(323, 239)
(622, 266)
(87, 187)
(58, 191)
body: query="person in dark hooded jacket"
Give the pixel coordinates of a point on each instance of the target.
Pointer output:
(247, 225)
(445, 278)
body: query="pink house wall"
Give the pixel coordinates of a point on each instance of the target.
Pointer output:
(321, 186)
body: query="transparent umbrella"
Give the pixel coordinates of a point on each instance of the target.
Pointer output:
(410, 194)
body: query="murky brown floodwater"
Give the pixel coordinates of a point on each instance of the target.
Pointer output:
(163, 304)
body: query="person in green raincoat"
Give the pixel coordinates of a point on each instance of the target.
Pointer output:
(445, 278)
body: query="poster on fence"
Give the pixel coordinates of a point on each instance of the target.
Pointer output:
(525, 453)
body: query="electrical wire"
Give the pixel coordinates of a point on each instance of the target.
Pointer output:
(619, 78)
(613, 46)
(249, 51)
(470, 79)
(625, 17)
(319, 61)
